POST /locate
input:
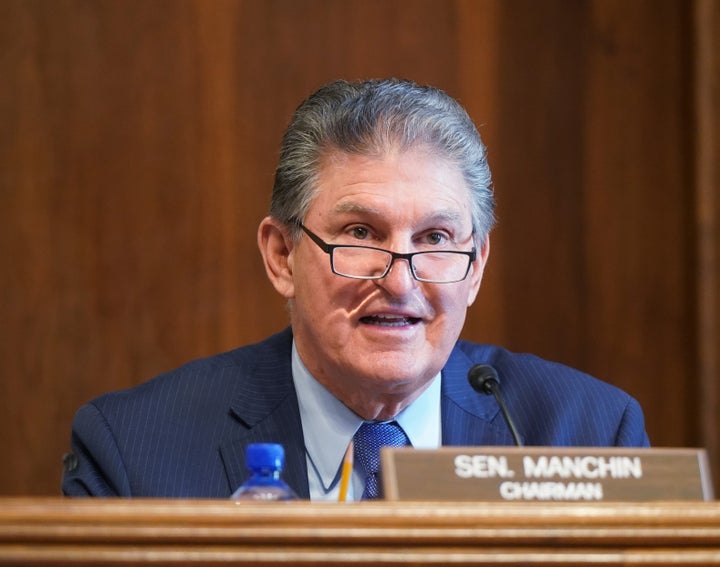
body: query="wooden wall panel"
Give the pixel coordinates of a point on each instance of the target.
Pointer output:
(137, 147)
(537, 168)
(638, 211)
(707, 216)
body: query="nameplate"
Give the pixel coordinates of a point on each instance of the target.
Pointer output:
(577, 474)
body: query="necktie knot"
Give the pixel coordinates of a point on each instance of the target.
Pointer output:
(368, 440)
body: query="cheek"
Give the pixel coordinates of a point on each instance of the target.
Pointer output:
(453, 297)
(451, 309)
(324, 296)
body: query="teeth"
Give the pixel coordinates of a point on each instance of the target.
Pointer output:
(389, 320)
(394, 322)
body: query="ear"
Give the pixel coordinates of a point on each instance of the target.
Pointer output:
(276, 247)
(476, 273)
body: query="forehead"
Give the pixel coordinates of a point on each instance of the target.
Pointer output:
(399, 183)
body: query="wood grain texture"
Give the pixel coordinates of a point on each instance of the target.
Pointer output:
(130, 532)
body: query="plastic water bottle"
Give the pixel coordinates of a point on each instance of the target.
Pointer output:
(265, 461)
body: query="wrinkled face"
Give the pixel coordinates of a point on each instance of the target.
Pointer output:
(389, 336)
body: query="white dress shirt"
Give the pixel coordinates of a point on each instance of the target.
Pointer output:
(329, 426)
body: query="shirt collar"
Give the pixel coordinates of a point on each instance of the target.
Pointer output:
(328, 424)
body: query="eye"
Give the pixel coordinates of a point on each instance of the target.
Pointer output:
(359, 232)
(435, 238)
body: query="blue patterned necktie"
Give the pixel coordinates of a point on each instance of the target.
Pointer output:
(368, 440)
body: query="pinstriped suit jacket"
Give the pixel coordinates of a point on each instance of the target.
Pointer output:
(183, 434)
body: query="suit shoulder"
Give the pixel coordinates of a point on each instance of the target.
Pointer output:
(531, 372)
(559, 405)
(213, 377)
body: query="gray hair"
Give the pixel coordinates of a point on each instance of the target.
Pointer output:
(368, 118)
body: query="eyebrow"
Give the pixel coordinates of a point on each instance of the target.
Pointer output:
(350, 207)
(440, 215)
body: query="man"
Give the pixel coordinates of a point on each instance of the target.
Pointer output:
(377, 237)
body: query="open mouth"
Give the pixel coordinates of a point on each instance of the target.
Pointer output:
(389, 320)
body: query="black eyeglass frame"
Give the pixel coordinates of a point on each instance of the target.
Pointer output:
(330, 248)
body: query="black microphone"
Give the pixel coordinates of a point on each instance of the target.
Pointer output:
(484, 379)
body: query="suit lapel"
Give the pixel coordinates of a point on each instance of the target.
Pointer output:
(267, 409)
(468, 418)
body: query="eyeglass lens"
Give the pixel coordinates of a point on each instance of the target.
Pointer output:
(370, 263)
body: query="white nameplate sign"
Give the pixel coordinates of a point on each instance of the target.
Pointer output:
(577, 474)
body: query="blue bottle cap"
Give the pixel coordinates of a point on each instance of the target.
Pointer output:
(260, 456)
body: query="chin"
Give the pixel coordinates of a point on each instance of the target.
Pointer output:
(397, 370)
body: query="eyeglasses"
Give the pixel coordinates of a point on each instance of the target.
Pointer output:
(369, 263)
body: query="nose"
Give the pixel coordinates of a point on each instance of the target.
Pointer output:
(399, 280)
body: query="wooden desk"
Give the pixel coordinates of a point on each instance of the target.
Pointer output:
(49, 531)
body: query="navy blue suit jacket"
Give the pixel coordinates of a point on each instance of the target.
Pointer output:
(183, 434)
